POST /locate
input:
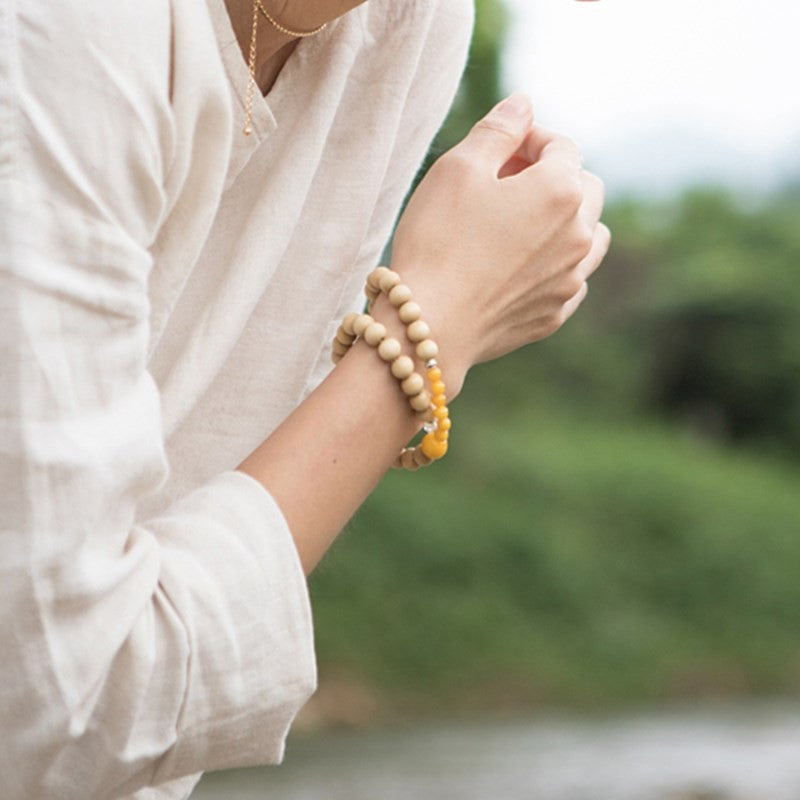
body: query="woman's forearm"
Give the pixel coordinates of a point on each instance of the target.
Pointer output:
(328, 455)
(497, 243)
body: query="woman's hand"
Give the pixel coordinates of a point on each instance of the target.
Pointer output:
(496, 244)
(500, 237)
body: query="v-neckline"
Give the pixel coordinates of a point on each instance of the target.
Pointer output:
(264, 121)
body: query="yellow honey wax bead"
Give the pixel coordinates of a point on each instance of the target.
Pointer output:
(437, 387)
(441, 436)
(444, 424)
(434, 374)
(441, 412)
(433, 448)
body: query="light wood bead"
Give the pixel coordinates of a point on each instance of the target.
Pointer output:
(413, 384)
(428, 407)
(345, 338)
(417, 331)
(374, 278)
(389, 349)
(388, 280)
(420, 402)
(402, 367)
(409, 312)
(400, 295)
(361, 323)
(375, 334)
(426, 415)
(407, 460)
(420, 457)
(427, 349)
(347, 323)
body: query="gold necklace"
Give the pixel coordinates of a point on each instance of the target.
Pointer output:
(286, 31)
(251, 63)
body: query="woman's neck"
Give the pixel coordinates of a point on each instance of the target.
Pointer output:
(273, 48)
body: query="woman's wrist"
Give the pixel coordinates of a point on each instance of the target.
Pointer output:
(452, 358)
(347, 432)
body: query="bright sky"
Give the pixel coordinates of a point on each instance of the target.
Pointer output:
(711, 87)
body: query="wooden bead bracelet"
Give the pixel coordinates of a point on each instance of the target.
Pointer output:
(429, 406)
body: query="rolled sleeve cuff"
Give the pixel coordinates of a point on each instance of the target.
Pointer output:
(238, 577)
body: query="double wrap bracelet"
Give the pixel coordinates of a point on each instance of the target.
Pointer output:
(428, 404)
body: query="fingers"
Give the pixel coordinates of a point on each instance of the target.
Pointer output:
(513, 166)
(593, 199)
(529, 152)
(543, 144)
(556, 173)
(601, 241)
(600, 244)
(571, 306)
(498, 136)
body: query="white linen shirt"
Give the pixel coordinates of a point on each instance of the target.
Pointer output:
(168, 290)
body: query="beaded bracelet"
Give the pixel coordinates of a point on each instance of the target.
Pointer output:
(382, 279)
(429, 407)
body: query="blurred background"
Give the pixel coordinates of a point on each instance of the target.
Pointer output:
(597, 593)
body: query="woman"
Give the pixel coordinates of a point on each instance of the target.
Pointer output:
(170, 286)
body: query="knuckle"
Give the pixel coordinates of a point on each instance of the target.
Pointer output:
(493, 127)
(569, 196)
(567, 142)
(595, 184)
(564, 187)
(571, 286)
(604, 235)
(583, 240)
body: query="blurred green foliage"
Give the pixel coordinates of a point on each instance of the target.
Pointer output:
(695, 317)
(618, 518)
(554, 559)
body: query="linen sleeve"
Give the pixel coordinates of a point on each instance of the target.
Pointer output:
(132, 654)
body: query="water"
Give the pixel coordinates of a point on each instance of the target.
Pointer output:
(741, 753)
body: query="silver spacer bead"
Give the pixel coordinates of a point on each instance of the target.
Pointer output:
(431, 363)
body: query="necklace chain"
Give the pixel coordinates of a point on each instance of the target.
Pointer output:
(287, 31)
(251, 61)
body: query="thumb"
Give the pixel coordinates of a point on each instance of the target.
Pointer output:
(498, 136)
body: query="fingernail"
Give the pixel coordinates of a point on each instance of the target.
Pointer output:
(517, 104)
